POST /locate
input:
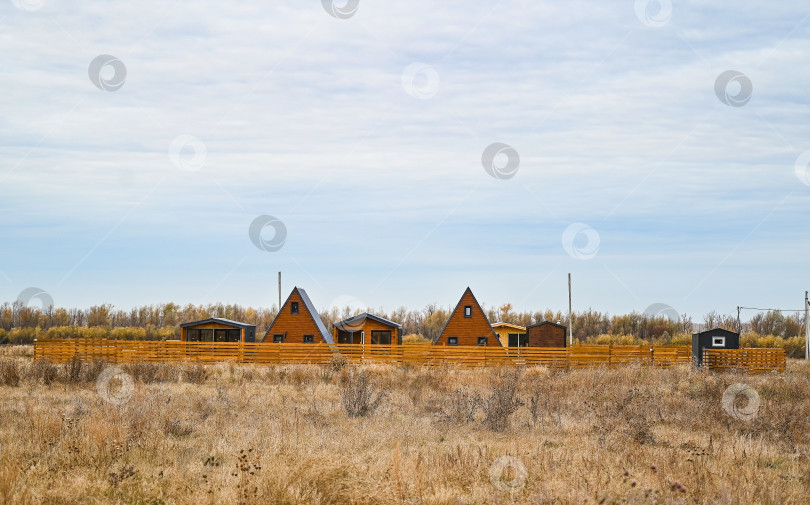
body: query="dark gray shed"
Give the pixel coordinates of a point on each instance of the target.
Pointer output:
(716, 338)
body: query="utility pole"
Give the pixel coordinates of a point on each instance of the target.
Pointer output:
(739, 324)
(279, 292)
(570, 319)
(806, 327)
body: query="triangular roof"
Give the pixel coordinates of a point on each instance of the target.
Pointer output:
(313, 313)
(541, 323)
(221, 320)
(452, 314)
(351, 321)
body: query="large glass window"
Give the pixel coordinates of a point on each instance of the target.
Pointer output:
(234, 335)
(206, 335)
(381, 337)
(192, 335)
(518, 340)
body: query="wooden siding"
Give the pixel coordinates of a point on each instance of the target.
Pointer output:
(368, 326)
(546, 335)
(294, 326)
(211, 326)
(468, 329)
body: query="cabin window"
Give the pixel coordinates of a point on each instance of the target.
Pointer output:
(293, 307)
(452, 340)
(381, 337)
(309, 339)
(206, 335)
(468, 311)
(718, 341)
(193, 335)
(279, 338)
(483, 340)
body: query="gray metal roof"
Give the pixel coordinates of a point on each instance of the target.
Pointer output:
(219, 320)
(362, 317)
(541, 323)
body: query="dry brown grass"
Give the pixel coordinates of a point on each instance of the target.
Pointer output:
(245, 434)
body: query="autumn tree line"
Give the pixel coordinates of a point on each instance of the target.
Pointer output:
(22, 324)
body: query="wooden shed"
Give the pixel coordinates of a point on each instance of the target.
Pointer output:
(546, 334)
(217, 329)
(468, 325)
(298, 322)
(716, 338)
(510, 335)
(367, 329)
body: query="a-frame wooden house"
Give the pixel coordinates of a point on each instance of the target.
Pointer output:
(298, 322)
(468, 325)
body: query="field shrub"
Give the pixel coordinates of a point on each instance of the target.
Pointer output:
(503, 402)
(359, 394)
(43, 370)
(9, 373)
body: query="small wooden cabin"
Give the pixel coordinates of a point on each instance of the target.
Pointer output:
(468, 325)
(546, 334)
(716, 338)
(510, 335)
(367, 329)
(217, 329)
(298, 322)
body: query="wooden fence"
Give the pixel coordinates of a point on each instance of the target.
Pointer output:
(753, 361)
(173, 351)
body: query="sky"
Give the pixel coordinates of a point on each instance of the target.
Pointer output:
(386, 154)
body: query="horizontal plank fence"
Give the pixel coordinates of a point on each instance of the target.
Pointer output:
(579, 356)
(173, 351)
(753, 361)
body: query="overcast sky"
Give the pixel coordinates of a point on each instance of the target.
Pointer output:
(627, 154)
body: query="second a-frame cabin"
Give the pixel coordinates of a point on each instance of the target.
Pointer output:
(298, 322)
(468, 325)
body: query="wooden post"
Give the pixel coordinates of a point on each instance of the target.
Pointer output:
(570, 319)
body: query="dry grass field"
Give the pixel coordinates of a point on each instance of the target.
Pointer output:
(387, 434)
